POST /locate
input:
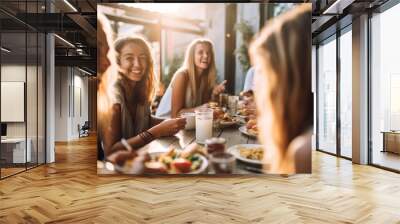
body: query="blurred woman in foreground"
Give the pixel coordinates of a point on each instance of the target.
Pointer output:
(281, 55)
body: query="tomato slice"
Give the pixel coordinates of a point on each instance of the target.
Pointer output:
(182, 165)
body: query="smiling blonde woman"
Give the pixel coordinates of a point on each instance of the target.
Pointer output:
(282, 56)
(194, 83)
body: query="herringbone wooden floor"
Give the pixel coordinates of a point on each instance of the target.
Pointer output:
(70, 191)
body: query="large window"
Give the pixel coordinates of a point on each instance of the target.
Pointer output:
(345, 43)
(22, 77)
(327, 96)
(385, 89)
(334, 61)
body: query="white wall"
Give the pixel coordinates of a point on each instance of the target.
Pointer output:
(12, 73)
(79, 117)
(61, 103)
(70, 83)
(33, 127)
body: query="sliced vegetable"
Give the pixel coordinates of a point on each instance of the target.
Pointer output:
(182, 165)
(196, 164)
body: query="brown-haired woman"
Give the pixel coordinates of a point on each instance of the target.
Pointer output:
(282, 57)
(134, 88)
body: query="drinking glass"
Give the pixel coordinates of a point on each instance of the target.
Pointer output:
(223, 162)
(215, 145)
(204, 124)
(232, 104)
(223, 100)
(190, 120)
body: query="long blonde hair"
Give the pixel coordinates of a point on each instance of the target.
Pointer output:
(146, 88)
(282, 55)
(106, 79)
(190, 67)
(106, 76)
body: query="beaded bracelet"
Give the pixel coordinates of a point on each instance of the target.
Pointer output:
(146, 136)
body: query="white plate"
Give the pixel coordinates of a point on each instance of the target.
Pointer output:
(243, 129)
(241, 120)
(242, 116)
(200, 170)
(235, 150)
(228, 123)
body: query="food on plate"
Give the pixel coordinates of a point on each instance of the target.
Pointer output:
(155, 167)
(218, 112)
(246, 112)
(227, 118)
(212, 105)
(222, 117)
(176, 161)
(252, 153)
(192, 149)
(182, 165)
(251, 127)
(251, 123)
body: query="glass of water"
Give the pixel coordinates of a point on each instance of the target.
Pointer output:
(232, 104)
(204, 124)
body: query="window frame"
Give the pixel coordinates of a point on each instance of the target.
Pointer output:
(334, 37)
(381, 9)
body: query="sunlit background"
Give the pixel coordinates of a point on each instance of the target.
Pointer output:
(170, 27)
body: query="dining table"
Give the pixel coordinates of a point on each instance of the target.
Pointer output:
(183, 138)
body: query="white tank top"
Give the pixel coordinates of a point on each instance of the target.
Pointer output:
(164, 108)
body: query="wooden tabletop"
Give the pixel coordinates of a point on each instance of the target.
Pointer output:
(182, 139)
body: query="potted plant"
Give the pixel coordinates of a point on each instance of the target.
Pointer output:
(246, 31)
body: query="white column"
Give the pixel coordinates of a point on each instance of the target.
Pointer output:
(360, 90)
(50, 99)
(314, 91)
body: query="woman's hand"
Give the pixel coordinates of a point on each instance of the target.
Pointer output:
(121, 156)
(218, 89)
(251, 105)
(138, 160)
(168, 127)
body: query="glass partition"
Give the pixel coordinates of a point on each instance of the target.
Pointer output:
(22, 88)
(13, 94)
(327, 96)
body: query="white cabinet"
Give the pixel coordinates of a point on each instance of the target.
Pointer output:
(17, 146)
